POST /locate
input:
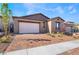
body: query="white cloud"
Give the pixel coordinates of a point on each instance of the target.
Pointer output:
(72, 9)
(30, 7)
(58, 9)
(17, 13)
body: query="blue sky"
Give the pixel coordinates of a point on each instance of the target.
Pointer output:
(68, 11)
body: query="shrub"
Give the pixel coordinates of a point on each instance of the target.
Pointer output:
(4, 40)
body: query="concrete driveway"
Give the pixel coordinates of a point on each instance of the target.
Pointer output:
(52, 49)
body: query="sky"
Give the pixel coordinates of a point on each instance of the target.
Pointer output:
(67, 11)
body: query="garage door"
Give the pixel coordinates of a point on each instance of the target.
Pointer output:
(25, 27)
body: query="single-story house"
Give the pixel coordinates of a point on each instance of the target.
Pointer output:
(35, 23)
(56, 24)
(69, 27)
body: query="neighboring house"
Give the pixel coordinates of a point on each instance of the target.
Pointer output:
(36, 23)
(56, 25)
(76, 26)
(69, 27)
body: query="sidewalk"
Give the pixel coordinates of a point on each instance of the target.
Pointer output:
(52, 49)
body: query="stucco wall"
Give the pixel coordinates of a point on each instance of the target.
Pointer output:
(50, 26)
(53, 26)
(16, 28)
(16, 25)
(62, 27)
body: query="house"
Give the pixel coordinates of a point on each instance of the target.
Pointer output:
(69, 27)
(56, 25)
(76, 27)
(36, 23)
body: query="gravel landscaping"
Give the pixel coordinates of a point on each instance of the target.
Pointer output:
(23, 41)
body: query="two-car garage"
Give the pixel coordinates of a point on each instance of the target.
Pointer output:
(28, 27)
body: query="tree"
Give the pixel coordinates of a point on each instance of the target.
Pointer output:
(5, 18)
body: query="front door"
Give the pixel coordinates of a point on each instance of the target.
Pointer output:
(57, 26)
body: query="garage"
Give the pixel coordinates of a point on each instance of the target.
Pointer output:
(26, 27)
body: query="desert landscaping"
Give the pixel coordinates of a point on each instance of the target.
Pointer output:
(35, 40)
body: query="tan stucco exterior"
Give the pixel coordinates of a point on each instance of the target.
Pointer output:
(46, 25)
(41, 24)
(76, 26)
(52, 25)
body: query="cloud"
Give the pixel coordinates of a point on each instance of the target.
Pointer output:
(72, 9)
(33, 8)
(17, 13)
(58, 9)
(30, 7)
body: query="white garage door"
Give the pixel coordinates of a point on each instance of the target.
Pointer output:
(28, 27)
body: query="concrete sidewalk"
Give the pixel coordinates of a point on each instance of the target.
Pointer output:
(52, 49)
